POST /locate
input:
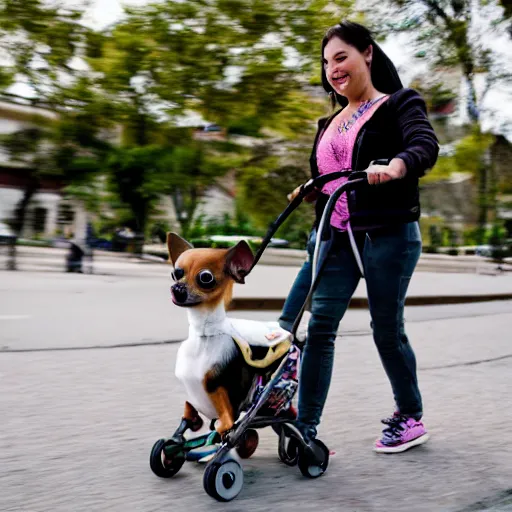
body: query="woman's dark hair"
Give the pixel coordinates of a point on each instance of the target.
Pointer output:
(383, 72)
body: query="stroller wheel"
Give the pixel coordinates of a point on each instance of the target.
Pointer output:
(163, 465)
(248, 443)
(288, 449)
(314, 459)
(223, 481)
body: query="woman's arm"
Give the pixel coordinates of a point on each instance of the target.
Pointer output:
(419, 139)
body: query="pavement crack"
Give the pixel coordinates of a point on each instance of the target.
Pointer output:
(87, 347)
(466, 363)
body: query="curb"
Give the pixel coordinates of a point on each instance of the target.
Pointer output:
(275, 304)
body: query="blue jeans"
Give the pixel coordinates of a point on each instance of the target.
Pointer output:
(389, 257)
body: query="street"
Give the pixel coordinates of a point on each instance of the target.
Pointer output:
(87, 380)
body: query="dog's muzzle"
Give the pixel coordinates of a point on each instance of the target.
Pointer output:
(179, 292)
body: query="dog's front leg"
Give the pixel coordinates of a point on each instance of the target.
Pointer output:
(190, 414)
(220, 400)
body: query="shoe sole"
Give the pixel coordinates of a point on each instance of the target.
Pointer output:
(402, 447)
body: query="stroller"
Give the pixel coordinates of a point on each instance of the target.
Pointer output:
(271, 397)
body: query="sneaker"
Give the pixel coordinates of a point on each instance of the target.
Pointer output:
(402, 432)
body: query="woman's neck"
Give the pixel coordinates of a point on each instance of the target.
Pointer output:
(368, 93)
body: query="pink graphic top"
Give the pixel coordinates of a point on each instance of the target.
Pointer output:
(334, 153)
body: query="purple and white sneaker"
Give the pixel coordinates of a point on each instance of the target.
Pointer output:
(402, 432)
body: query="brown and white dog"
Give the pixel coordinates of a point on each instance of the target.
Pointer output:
(221, 360)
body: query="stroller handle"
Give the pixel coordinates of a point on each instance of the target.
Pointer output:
(355, 179)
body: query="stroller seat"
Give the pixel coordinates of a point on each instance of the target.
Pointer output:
(261, 343)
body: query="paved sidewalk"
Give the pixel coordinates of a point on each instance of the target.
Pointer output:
(57, 310)
(78, 425)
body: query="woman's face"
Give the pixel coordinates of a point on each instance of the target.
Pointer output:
(346, 68)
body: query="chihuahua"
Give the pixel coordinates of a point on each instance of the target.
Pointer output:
(223, 359)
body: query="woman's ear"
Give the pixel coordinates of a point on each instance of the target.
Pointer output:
(368, 54)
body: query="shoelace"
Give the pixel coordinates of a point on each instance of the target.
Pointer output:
(394, 425)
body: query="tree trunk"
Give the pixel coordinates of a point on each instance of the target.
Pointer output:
(19, 219)
(21, 210)
(185, 208)
(482, 201)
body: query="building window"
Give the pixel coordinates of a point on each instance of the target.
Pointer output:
(39, 219)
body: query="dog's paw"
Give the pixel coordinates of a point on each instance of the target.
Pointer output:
(224, 425)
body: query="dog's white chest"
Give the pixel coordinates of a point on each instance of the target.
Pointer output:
(197, 355)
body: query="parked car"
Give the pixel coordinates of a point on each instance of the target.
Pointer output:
(7, 235)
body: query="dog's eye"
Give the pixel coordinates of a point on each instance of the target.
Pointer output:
(205, 279)
(177, 274)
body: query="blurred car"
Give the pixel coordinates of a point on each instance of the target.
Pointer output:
(491, 251)
(274, 242)
(7, 235)
(483, 250)
(212, 128)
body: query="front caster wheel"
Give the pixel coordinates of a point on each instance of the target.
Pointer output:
(163, 465)
(248, 443)
(223, 481)
(313, 461)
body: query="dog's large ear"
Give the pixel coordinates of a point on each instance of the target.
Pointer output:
(176, 246)
(239, 261)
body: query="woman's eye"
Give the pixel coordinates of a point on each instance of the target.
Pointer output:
(205, 279)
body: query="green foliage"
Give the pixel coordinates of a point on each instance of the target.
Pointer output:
(39, 40)
(496, 234)
(132, 173)
(243, 64)
(436, 96)
(467, 158)
(263, 191)
(470, 150)
(228, 60)
(238, 225)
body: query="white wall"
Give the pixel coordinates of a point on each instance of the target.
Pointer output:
(9, 198)
(50, 201)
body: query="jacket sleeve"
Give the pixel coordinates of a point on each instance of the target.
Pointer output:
(419, 139)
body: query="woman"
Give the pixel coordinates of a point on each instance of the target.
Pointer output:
(379, 119)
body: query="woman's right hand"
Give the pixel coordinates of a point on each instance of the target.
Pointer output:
(312, 196)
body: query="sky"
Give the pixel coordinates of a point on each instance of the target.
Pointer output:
(104, 12)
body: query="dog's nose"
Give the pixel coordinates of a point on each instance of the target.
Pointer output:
(179, 290)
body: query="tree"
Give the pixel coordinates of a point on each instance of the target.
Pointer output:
(229, 60)
(446, 36)
(190, 170)
(264, 182)
(66, 150)
(39, 43)
(223, 59)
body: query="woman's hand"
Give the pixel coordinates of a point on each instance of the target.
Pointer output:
(312, 196)
(378, 174)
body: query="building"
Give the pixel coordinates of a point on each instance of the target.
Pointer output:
(49, 213)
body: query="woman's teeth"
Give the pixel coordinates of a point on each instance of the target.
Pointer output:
(341, 80)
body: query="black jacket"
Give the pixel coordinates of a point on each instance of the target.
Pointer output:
(398, 128)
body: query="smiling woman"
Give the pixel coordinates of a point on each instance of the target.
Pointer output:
(379, 120)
